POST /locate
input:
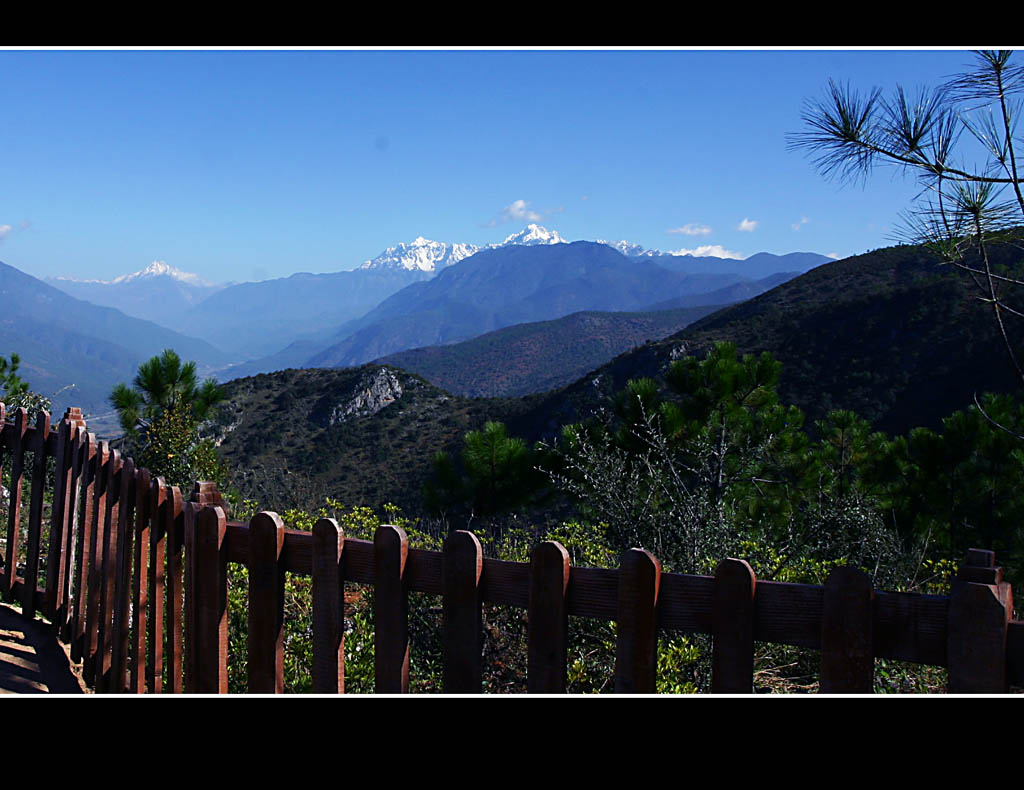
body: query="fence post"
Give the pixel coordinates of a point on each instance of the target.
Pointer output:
(328, 608)
(547, 619)
(158, 503)
(89, 466)
(847, 657)
(209, 636)
(636, 646)
(3, 443)
(174, 526)
(461, 566)
(35, 515)
(145, 520)
(390, 611)
(14, 503)
(134, 488)
(732, 646)
(119, 498)
(60, 522)
(101, 510)
(204, 494)
(979, 612)
(266, 604)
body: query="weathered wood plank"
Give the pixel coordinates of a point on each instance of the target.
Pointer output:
(594, 593)
(17, 444)
(911, 627)
(1015, 653)
(140, 582)
(159, 506)
(190, 511)
(35, 514)
(63, 620)
(84, 541)
(506, 583)
(127, 515)
(122, 587)
(732, 647)
(78, 459)
(847, 641)
(122, 474)
(101, 516)
(266, 604)
(391, 612)
(789, 613)
(462, 565)
(328, 608)
(685, 602)
(60, 520)
(547, 636)
(978, 622)
(210, 636)
(423, 571)
(174, 527)
(636, 653)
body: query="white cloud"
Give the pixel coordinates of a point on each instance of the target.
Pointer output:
(747, 225)
(797, 225)
(833, 255)
(4, 230)
(691, 229)
(717, 250)
(516, 211)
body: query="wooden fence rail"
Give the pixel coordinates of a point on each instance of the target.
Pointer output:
(134, 578)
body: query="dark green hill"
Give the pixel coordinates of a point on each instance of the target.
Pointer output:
(540, 356)
(364, 435)
(890, 334)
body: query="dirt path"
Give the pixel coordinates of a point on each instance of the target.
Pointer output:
(32, 661)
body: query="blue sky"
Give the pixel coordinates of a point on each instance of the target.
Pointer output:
(244, 165)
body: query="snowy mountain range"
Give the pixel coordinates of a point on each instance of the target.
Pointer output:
(432, 256)
(305, 306)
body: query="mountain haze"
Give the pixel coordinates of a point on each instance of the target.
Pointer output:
(511, 285)
(159, 293)
(536, 357)
(65, 341)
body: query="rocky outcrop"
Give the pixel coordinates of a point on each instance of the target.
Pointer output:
(378, 389)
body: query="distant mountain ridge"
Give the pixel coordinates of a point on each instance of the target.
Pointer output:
(540, 356)
(510, 285)
(155, 269)
(890, 334)
(68, 342)
(159, 293)
(297, 320)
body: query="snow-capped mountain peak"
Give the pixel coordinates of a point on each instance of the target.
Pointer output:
(162, 269)
(628, 248)
(155, 269)
(533, 235)
(422, 254)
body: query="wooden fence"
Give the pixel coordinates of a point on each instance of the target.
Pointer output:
(134, 578)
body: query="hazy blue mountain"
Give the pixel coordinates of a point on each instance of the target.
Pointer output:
(256, 319)
(159, 293)
(65, 341)
(756, 267)
(540, 356)
(737, 292)
(510, 285)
